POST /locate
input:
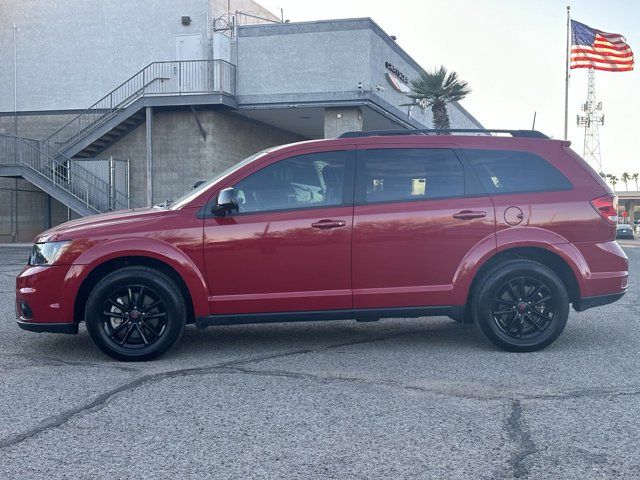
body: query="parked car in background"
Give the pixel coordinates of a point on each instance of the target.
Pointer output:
(505, 232)
(624, 230)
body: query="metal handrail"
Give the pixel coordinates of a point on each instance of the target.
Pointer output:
(180, 77)
(62, 172)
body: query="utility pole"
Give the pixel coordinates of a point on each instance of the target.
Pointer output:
(591, 119)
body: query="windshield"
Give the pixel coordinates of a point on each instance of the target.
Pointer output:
(191, 194)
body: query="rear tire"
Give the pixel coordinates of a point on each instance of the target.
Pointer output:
(135, 314)
(521, 305)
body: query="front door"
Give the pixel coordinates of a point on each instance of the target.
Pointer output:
(414, 222)
(288, 248)
(189, 47)
(189, 74)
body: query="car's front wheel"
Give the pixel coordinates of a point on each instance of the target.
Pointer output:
(521, 305)
(135, 313)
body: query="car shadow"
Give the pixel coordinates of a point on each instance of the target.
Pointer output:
(243, 342)
(256, 338)
(225, 343)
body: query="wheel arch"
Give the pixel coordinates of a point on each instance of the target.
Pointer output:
(106, 257)
(113, 264)
(544, 256)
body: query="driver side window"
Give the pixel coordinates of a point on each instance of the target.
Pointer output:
(312, 180)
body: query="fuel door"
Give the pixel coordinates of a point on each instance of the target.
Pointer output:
(513, 216)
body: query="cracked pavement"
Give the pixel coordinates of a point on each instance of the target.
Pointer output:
(413, 398)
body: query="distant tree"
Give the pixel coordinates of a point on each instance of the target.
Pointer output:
(625, 178)
(436, 89)
(613, 180)
(603, 175)
(635, 179)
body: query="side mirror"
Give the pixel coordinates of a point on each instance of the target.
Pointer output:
(226, 202)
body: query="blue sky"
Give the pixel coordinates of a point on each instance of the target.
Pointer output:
(512, 54)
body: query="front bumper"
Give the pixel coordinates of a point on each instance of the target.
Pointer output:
(42, 304)
(69, 328)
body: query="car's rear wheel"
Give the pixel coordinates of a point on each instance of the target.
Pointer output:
(135, 314)
(521, 305)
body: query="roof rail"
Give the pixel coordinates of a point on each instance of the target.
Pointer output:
(386, 133)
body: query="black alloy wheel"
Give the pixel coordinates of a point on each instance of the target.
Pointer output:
(521, 305)
(134, 316)
(135, 313)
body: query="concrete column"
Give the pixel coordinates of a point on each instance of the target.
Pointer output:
(149, 124)
(338, 120)
(627, 208)
(632, 211)
(47, 212)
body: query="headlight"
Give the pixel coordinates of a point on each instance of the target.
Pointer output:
(47, 253)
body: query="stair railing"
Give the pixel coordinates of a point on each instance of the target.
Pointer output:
(183, 77)
(96, 194)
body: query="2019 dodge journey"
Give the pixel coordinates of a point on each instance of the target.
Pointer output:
(503, 231)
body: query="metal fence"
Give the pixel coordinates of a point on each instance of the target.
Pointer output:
(184, 77)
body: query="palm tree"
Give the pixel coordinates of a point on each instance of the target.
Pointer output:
(613, 180)
(635, 179)
(625, 178)
(436, 89)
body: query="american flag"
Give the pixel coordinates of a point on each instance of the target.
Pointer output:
(592, 48)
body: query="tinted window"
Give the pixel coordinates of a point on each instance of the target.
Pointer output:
(505, 171)
(313, 180)
(409, 174)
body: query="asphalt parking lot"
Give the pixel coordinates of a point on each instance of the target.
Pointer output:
(424, 398)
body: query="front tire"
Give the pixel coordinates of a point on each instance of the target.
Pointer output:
(521, 305)
(135, 314)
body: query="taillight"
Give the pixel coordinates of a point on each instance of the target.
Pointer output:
(607, 207)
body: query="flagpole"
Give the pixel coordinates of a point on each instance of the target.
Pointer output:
(566, 78)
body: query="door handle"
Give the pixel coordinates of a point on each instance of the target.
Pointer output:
(469, 214)
(327, 224)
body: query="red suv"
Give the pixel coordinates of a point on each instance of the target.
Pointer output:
(502, 231)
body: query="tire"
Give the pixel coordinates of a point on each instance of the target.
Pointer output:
(521, 305)
(128, 330)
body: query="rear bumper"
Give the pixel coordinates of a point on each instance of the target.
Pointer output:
(601, 268)
(69, 328)
(590, 302)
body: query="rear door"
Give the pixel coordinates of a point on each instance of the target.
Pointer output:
(418, 213)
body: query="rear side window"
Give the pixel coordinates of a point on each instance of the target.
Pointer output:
(398, 174)
(507, 171)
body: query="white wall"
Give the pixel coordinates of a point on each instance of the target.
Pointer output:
(72, 52)
(324, 62)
